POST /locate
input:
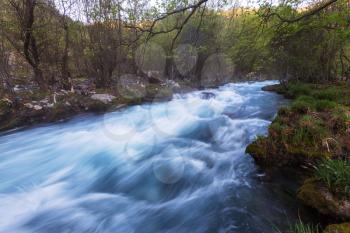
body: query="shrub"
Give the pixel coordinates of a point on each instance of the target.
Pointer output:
(331, 93)
(336, 175)
(341, 119)
(303, 104)
(299, 89)
(322, 105)
(310, 131)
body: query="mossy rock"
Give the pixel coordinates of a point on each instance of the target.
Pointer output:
(5, 107)
(316, 195)
(338, 228)
(58, 112)
(278, 88)
(158, 93)
(257, 149)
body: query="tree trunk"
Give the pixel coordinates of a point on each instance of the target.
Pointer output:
(66, 79)
(29, 46)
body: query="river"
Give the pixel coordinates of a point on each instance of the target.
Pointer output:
(170, 167)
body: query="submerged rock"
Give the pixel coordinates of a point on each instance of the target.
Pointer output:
(316, 195)
(338, 228)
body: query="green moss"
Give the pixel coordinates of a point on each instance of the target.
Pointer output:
(257, 148)
(284, 111)
(96, 106)
(36, 95)
(157, 92)
(338, 228)
(5, 108)
(314, 194)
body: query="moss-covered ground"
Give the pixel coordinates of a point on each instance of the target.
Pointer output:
(312, 135)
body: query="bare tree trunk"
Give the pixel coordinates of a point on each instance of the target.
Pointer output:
(5, 76)
(66, 79)
(29, 46)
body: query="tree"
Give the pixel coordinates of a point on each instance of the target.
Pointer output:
(24, 17)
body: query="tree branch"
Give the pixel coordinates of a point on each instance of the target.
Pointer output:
(303, 16)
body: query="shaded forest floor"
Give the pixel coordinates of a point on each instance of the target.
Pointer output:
(312, 136)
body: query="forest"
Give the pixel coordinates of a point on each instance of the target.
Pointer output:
(62, 58)
(53, 45)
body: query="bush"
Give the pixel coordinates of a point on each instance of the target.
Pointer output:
(341, 119)
(310, 131)
(299, 89)
(303, 104)
(336, 175)
(331, 93)
(322, 105)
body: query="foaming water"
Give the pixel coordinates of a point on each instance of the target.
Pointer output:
(167, 167)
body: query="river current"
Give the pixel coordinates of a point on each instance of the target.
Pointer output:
(170, 167)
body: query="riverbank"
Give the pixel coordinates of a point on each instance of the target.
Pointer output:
(36, 107)
(312, 136)
(33, 106)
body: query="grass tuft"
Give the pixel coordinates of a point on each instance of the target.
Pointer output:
(336, 175)
(301, 227)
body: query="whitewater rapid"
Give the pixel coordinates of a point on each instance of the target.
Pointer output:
(171, 167)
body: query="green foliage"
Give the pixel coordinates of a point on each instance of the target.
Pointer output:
(307, 50)
(298, 89)
(336, 175)
(319, 99)
(331, 93)
(341, 116)
(303, 228)
(303, 104)
(310, 132)
(322, 105)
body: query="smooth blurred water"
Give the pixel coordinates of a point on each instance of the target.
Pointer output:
(167, 167)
